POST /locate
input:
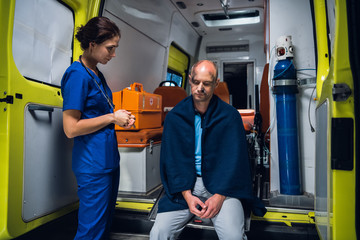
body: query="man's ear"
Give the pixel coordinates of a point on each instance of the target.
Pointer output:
(217, 82)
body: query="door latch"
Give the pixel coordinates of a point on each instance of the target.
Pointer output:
(8, 99)
(341, 92)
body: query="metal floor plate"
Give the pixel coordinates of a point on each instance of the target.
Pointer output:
(137, 226)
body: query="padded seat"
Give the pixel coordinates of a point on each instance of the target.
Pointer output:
(222, 91)
(247, 116)
(264, 99)
(170, 97)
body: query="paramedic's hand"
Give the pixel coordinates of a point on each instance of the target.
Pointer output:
(214, 205)
(196, 206)
(123, 118)
(131, 122)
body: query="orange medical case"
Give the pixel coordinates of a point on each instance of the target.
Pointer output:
(146, 107)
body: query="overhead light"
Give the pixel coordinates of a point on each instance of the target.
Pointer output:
(232, 18)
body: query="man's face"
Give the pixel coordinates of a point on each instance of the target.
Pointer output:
(202, 84)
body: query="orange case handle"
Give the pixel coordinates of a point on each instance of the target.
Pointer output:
(138, 86)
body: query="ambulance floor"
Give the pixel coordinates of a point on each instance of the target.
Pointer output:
(136, 226)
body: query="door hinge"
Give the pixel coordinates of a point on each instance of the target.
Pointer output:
(341, 92)
(8, 99)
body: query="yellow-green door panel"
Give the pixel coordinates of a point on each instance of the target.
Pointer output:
(35, 100)
(340, 183)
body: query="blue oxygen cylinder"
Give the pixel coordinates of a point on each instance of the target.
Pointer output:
(285, 90)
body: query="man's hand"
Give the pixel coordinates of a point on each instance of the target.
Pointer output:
(214, 205)
(194, 203)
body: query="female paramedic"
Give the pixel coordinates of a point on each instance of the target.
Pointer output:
(89, 118)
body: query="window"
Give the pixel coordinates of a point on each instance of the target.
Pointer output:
(42, 39)
(173, 76)
(178, 65)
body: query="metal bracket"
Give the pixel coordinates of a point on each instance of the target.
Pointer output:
(285, 82)
(151, 146)
(307, 81)
(341, 92)
(8, 99)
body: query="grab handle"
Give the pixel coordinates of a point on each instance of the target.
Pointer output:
(35, 107)
(138, 86)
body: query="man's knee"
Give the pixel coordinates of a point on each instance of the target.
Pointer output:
(233, 234)
(160, 231)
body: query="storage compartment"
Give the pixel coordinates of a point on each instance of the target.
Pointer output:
(140, 168)
(146, 107)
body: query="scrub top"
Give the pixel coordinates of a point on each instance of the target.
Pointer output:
(96, 152)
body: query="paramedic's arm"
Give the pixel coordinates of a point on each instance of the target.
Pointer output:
(193, 203)
(75, 126)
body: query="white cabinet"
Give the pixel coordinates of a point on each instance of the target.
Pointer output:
(139, 168)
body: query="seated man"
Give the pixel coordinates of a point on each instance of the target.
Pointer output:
(204, 162)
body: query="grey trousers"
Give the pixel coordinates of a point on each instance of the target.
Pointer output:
(228, 223)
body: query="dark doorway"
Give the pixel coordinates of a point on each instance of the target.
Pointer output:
(235, 75)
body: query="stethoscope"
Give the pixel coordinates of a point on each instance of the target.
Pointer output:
(97, 84)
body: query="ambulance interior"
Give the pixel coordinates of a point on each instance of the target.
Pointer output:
(246, 57)
(160, 40)
(246, 54)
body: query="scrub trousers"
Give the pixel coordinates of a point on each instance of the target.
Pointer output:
(228, 223)
(97, 194)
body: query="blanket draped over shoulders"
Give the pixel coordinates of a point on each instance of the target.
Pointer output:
(225, 165)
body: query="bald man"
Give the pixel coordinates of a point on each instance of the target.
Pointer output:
(204, 163)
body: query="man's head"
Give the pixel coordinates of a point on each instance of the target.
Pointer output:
(203, 80)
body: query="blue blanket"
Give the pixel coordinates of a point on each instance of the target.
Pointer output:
(225, 164)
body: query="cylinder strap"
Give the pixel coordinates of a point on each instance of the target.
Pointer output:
(285, 82)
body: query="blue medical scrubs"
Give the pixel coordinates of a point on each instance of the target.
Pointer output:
(95, 156)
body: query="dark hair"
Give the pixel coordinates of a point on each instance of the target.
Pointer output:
(97, 30)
